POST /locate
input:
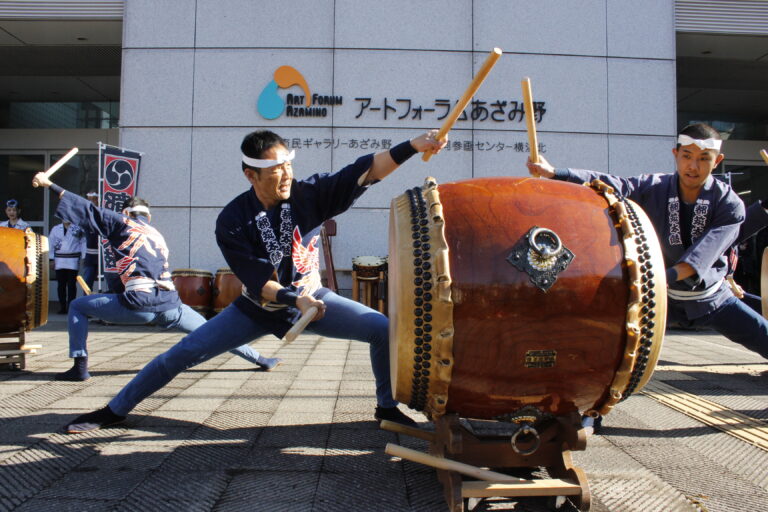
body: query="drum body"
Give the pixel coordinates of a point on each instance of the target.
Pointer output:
(485, 323)
(195, 288)
(226, 288)
(23, 280)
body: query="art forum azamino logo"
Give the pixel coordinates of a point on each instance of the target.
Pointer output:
(271, 105)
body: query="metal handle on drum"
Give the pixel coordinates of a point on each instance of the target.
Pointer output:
(545, 251)
(525, 435)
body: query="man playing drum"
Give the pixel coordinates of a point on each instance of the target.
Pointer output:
(697, 219)
(269, 237)
(142, 257)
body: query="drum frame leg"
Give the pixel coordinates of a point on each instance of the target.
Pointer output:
(558, 437)
(14, 353)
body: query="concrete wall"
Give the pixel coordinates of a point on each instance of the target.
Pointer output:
(193, 71)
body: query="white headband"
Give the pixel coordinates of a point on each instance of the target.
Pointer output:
(91, 194)
(138, 209)
(685, 140)
(263, 164)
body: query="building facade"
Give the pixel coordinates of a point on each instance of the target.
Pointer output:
(341, 78)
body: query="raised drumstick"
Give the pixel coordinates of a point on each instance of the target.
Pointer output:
(299, 326)
(464, 101)
(55, 167)
(530, 121)
(764, 154)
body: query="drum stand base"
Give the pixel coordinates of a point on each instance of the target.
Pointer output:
(14, 353)
(456, 450)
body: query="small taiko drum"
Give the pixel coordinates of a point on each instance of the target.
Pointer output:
(518, 298)
(23, 280)
(369, 266)
(195, 288)
(226, 288)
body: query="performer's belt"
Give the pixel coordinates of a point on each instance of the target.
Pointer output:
(67, 255)
(147, 284)
(92, 251)
(697, 295)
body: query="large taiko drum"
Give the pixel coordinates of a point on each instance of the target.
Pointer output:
(513, 298)
(195, 288)
(23, 280)
(226, 288)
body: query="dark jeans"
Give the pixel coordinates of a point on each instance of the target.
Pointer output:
(736, 321)
(67, 289)
(89, 275)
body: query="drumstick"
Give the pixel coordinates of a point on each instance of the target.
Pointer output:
(55, 167)
(448, 464)
(82, 284)
(464, 101)
(530, 121)
(301, 324)
(764, 154)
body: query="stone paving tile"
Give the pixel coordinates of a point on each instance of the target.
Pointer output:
(305, 435)
(103, 484)
(292, 458)
(269, 490)
(67, 505)
(340, 491)
(167, 490)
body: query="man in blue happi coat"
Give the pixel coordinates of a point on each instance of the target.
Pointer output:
(697, 219)
(142, 260)
(269, 237)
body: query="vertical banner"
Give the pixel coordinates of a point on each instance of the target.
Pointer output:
(119, 177)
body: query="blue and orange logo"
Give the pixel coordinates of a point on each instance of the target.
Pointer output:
(271, 105)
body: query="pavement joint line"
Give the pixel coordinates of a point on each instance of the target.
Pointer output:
(736, 424)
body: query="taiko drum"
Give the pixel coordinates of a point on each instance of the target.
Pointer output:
(513, 296)
(226, 288)
(195, 288)
(23, 280)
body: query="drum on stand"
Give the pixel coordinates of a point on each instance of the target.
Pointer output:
(195, 288)
(518, 298)
(226, 288)
(23, 280)
(370, 272)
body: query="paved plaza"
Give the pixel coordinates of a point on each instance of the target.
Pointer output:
(225, 437)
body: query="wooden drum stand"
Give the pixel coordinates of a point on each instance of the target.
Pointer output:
(458, 448)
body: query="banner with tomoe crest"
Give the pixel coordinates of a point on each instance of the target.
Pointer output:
(119, 177)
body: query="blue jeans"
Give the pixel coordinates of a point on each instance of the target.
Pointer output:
(108, 308)
(738, 322)
(343, 318)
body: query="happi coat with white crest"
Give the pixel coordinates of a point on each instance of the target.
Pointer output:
(140, 250)
(698, 234)
(282, 243)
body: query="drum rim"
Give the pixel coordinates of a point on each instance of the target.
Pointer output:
(635, 370)
(36, 247)
(431, 396)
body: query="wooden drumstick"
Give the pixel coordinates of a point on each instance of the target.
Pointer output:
(764, 154)
(530, 120)
(464, 101)
(55, 167)
(82, 284)
(448, 464)
(301, 324)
